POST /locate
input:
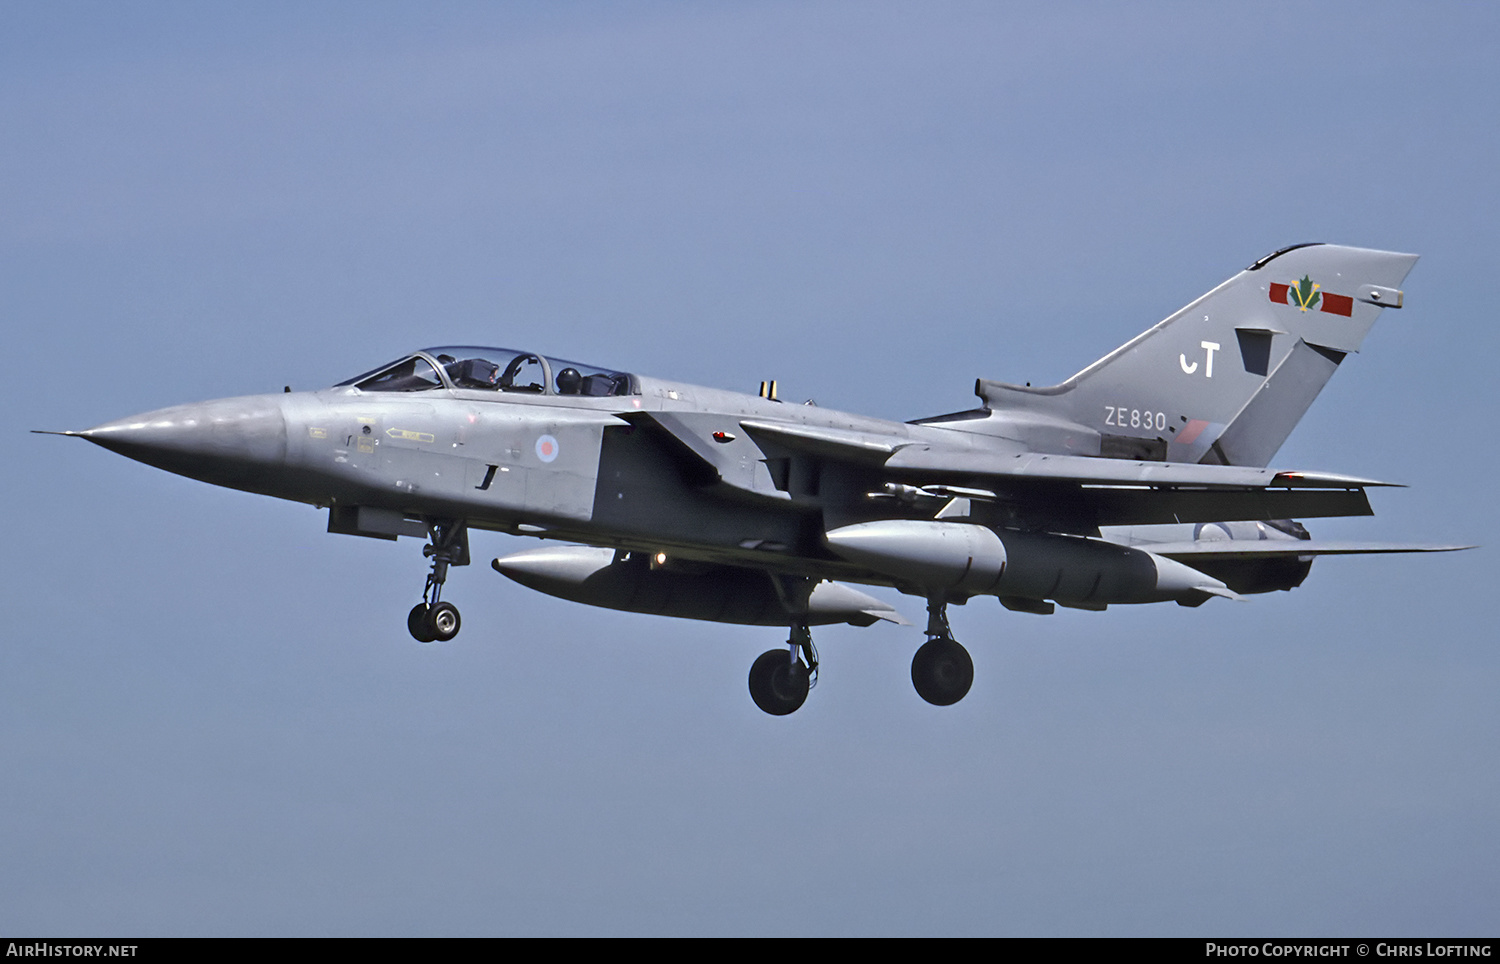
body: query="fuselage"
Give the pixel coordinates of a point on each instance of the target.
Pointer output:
(453, 439)
(571, 467)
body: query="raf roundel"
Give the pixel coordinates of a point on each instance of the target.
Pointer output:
(546, 448)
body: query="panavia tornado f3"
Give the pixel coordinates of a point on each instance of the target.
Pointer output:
(1140, 479)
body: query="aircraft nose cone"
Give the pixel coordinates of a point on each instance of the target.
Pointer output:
(231, 441)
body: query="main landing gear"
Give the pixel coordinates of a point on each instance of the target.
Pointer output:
(781, 678)
(941, 671)
(432, 619)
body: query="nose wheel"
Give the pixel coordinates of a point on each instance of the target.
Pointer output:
(433, 620)
(438, 623)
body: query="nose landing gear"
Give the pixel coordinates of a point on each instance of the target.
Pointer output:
(432, 619)
(435, 623)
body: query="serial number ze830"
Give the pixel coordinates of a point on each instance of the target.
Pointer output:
(1122, 417)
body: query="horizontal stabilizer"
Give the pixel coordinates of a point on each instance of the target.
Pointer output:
(1118, 506)
(1270, 548)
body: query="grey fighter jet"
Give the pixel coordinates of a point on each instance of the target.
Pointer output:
(1140, 479)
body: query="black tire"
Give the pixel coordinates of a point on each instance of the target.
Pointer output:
(778, 685)
(942, 672)
(442, 621)
(416, 624)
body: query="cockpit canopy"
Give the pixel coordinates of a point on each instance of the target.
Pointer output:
(472, 368)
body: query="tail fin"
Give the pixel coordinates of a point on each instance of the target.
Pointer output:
(1226, 379)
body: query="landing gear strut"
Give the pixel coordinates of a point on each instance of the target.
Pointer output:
(780, 678)
(941, 671)
(431, 619)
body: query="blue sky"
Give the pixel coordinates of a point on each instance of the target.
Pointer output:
(212, 720)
